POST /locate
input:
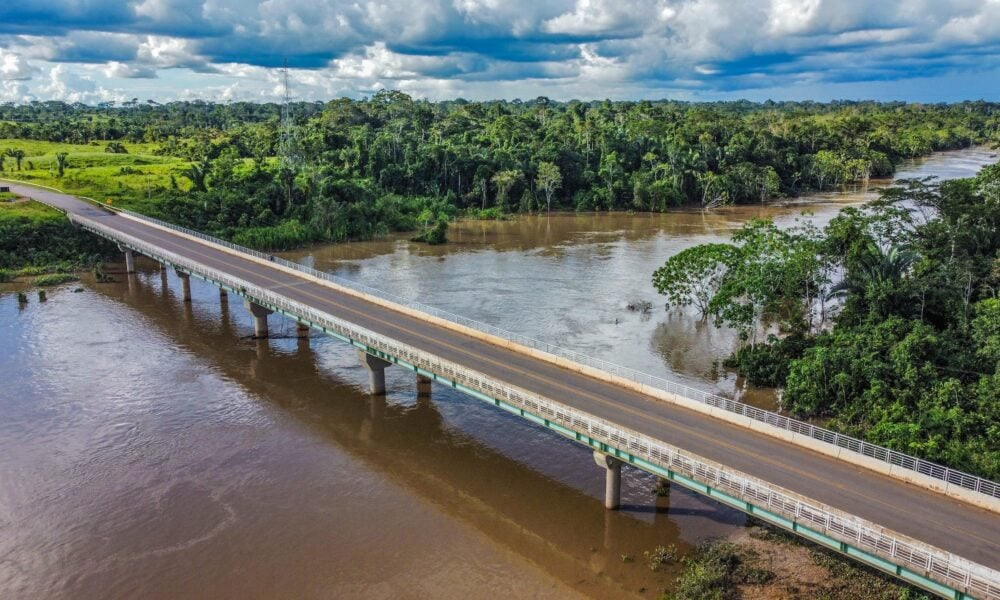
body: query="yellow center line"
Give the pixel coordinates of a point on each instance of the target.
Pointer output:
(582, 393)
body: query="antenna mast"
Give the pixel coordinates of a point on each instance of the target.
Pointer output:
(286, 141)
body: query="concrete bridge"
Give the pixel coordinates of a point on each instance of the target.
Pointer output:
(926, 524)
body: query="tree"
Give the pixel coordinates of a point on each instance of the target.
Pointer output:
(61, 162)
(505, 180)
(548, 179)
(18, 155)
(116, 148)
(876, 276)
(693, 276)
(197, 173)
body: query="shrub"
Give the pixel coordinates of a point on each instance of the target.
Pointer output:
(767, 364)
(284, 236)
(54, 279)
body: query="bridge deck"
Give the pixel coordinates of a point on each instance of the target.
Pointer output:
(947, 523)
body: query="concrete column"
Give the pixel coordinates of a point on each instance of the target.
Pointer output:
(259, 318)
(662, 487)
(129, 261)
(185, 285)
(376, 371)
(301, 330)
(613, 479)
(423, 386)
(163, 275)
(223, 295)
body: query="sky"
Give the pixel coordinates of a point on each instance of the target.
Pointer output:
(226, 50)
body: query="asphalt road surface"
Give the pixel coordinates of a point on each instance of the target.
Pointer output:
(949, 524)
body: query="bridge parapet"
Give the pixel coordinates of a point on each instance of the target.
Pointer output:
(922, 564)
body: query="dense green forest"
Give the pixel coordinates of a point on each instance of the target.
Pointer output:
(887, 321)
(351, 169)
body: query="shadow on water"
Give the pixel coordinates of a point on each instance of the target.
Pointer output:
(444, 449)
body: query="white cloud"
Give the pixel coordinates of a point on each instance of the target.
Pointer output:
(13, 67)
(115, 69)
(491, 48)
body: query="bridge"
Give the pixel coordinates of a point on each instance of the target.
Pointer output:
(931, 526)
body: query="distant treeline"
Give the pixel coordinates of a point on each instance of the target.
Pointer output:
(355, 168)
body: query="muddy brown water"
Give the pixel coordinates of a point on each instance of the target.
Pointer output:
(149, 449)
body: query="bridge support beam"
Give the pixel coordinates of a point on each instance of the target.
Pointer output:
(129, 261)
(223, 295)
(301, 330)
(259, 318)
(185, 285)
(423, 386)
(612, 481)
(376, 372)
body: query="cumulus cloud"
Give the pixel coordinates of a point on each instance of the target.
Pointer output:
(13, 67)
(490, 48)
(115, 69)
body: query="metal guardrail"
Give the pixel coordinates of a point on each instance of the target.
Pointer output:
(937, 565)
(851, 444)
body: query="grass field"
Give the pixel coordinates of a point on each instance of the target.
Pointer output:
(130, 180)
(32, 211)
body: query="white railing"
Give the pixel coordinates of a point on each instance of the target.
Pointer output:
(937, 565)
(851, 444)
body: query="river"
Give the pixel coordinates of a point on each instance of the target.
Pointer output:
(151, 449)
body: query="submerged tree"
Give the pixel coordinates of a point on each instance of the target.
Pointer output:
(548, 179)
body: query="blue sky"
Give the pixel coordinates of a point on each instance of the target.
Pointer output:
(97, 50)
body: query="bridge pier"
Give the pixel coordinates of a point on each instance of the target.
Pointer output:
(612, 481)
(185, 285)
(301, 330)
(259, 318)
(223, 295)
(376, 372)
(129, 261)
(423, 386)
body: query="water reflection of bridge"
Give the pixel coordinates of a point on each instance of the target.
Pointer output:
(407, 439)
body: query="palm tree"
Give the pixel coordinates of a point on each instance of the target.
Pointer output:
(877, 274)
(197, 173)
(18, 155)
(61, 163)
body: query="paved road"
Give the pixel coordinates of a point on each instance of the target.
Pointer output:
(949, 524)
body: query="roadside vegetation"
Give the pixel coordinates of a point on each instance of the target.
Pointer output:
(36, 240)
(360, 169)
(765, 562)
(886, 323)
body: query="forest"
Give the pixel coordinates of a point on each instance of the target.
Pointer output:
(885, 324)
(274, 177)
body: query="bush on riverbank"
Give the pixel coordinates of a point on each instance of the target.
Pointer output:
(54, 279)
(34, 236)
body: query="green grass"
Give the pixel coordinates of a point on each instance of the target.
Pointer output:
(29, 210)
(134, 180)
(54, 279)
(39, 148)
